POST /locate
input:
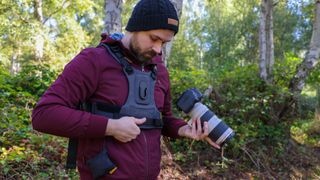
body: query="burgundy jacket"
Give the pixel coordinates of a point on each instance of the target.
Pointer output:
(94, 75)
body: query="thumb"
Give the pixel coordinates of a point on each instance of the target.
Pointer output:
(139, 121)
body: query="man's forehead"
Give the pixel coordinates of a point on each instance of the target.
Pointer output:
(163, 34)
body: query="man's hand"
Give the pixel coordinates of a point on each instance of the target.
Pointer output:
(197, 132)
(124, 129)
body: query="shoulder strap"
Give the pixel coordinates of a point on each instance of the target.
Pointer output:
(116, 53)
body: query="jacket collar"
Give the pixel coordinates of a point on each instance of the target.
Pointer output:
(117, 41)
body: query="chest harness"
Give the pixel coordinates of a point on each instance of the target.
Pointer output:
(140, 101)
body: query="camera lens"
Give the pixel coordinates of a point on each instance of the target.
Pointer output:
(219, 132)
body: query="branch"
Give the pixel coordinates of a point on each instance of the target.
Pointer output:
(275, 3)
(64, 5)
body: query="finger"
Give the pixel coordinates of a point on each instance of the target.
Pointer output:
(212, 143)
(121, 139)
(199, 127)
(205, 130)
(139, 121)
(193, 130)
(194, 119)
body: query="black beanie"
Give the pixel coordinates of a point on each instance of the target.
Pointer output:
(153, 14)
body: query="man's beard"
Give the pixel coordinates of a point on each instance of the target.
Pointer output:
(136, 50)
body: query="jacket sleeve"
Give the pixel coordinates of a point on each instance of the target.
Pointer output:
(56, 112)
(171, 123)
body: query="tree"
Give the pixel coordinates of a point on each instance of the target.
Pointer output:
(39, 45)
(35, 30)
(112, 20)
(167, 48)
(311, 58)
(266, 41)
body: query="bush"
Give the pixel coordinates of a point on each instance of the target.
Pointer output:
(245, 103)
(41, 156)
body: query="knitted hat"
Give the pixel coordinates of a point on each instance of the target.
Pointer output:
(153, 14)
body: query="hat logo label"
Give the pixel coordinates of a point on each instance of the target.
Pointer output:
(173, 22)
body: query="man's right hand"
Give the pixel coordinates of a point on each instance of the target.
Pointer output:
(124, 129)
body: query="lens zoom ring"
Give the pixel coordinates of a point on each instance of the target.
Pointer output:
(218, 131)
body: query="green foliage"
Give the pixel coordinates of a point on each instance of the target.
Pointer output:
(62, 29)
(34, 79)
(246, 104)
(286, 69)
(183, 80)
(24, 153)
(306, 132)
(249, 107)
(217, 45)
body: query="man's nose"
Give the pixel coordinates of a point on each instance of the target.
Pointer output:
(157, 47)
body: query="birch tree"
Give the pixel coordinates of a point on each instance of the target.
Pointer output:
(311, 58)
(266, 41)
(306, 66)
(112, 21)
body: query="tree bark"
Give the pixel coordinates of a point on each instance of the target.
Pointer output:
(312, 56)
(270, 44)
(266, 41)
(112, 21)
(262, 42)
(39, 44)
(167, 48)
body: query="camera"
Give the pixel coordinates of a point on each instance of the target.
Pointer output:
(189, 102)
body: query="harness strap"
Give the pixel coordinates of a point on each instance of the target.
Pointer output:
(113, 112)
(114, 50)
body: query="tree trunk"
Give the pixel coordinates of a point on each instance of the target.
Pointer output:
(112, 21)
(303, 69)
(317, 111)
(13, 68)
(266, 41)
(167, 48)
(15, 65)
(270, 44)
(312, 56)
(39, 44)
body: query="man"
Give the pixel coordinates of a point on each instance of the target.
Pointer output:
(121, 79)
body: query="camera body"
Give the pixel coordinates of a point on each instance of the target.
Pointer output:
(189, 102)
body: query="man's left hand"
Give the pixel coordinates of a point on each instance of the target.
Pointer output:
(197, 132)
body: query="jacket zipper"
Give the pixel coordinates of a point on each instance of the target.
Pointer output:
(147, 155)
(142, 67)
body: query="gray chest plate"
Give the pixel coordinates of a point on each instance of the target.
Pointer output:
(140, 101)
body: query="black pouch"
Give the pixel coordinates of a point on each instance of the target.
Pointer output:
(101, 164)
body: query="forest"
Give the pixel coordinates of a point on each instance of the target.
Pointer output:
(256, 61)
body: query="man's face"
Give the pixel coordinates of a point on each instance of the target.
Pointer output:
(147, 44)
